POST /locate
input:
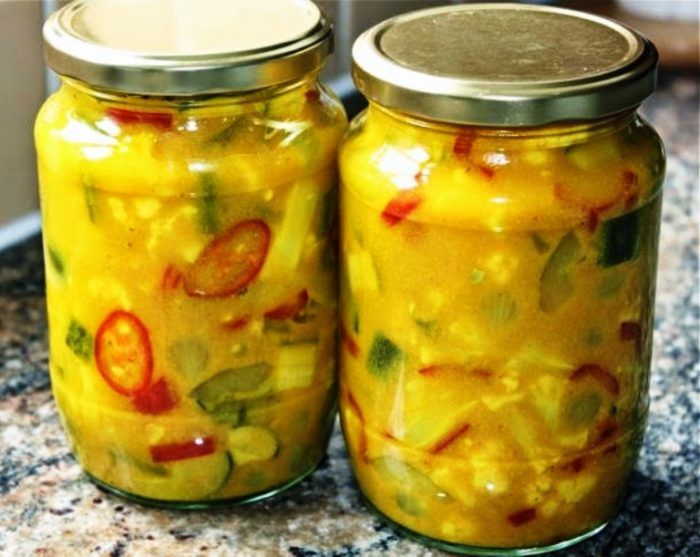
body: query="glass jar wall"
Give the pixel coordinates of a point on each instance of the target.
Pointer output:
(497, 285)
(191, 285)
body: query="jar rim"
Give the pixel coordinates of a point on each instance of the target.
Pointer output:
(108, 44)
(504, 65)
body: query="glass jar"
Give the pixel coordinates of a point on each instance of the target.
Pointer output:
(188, 199)
(499, 233)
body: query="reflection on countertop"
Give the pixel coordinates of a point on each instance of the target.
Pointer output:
(47, 507)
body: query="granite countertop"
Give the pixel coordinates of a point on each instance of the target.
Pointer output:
(48, 508)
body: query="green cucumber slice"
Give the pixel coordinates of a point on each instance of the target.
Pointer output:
(224, 386)
(252, 444)
(189, 356)
(619, 239)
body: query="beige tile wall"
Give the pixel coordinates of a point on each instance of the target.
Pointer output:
(21, 93)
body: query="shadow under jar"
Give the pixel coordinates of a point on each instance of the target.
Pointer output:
(187, 187)
(499, 230)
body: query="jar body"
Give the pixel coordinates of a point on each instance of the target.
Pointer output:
(497, 293)
(190, 287)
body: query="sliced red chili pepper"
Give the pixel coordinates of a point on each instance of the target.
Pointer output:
(123, 352)
(156, 399)
(401, 206)
(606, 430)
(172, 278)
(486, 171)
(450, 438)
(312, 95)
(162, 120)
(236, 323)
(630, 330)
(290, 308)
(522, 516)
(441, 369)
(349, 342)
(599, 374)
(362, 442)
(576, 465)
(201, 446)
(230, 262)
(462, 145)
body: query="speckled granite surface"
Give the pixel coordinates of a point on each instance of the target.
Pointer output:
(48, 508)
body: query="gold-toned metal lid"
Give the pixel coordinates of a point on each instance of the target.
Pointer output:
(504, 65)
(187, 47)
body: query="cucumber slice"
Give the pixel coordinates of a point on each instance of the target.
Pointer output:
(192, 479)
(188, 356)
(79, 340)
(252, 444)
(239, 412)
(296, 366)
(224, 386)
(556, 286)
(413, 486)
(583, 408)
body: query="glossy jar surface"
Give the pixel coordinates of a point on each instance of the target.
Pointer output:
(191, 286)
(497, 301)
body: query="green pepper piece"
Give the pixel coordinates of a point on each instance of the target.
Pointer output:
(619, 239)
(57, 261)
(556, 286)
(189, 356)
(383, 355)
(209, 204)
(79, 340)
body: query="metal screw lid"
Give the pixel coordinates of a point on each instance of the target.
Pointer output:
(504, 65)
(186, 47)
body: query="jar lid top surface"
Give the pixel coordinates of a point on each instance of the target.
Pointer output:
(504, 64)
(186, 47)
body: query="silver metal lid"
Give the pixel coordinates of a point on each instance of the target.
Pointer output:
(187, 47)
(504, 65)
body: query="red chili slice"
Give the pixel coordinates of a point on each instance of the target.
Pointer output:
(462, 145)
(599, 374)
(362, 443)
(401, 206)
(156, 399)
(523, 516)
(172, 278)
(162, 120)
(450, 438)
(349, 342)
(201, 446)
(230, 261)
(486, 171)
(123, 353)
(630, 330)
(235, 324)
(289, 309)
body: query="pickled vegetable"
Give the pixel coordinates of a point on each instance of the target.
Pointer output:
(492, 395)
(191, 307)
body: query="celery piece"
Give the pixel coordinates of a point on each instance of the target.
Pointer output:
(501, 308)
(209, 204)
(90, 191)
(288, 242)
(57, 261)
(556, 286)
(619, 239)
(383, 356)
(296, 366)
(79, 340)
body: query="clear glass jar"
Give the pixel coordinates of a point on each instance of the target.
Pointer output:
(497, 295)
(191, 284)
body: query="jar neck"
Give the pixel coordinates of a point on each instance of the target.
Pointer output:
(236, 101)
(564, 132)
